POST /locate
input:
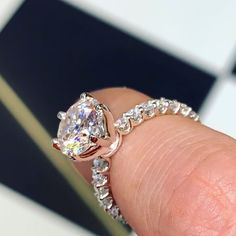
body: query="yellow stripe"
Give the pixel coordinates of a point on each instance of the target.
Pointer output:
(42, 139)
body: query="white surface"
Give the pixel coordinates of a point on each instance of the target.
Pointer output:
(219, 109)
(202, 32)
(7, 9)
(22, 217)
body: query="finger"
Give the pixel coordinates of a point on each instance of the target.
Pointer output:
(118, 100)
(173, 176)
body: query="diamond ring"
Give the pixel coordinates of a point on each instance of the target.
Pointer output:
(87, 131)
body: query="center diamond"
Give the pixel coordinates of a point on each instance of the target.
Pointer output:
(80, 127)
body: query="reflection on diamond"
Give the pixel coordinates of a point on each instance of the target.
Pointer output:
(149, 109)
(99, 179)
(114, 212)
(135, 115)
(192, 115)
(106, 203)
(102, 192)
(80, 124)
(174, 106)
(100, 164)
(164, 105)
(61, 115)
(185, 110)
(123, 125)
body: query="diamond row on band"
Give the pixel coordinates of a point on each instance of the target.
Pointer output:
(100, 182)
(124, 125)
(151, 108)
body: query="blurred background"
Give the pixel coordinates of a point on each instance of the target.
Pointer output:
(51, 51)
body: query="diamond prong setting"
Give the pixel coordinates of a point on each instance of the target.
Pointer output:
(84, 96)
(61, 115)
(55, 143)
(83, 131)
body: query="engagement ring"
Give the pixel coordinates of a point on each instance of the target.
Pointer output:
(87, 131)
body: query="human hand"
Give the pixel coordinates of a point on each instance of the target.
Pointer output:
(171, 176)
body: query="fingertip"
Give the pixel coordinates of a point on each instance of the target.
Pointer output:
(155, 191)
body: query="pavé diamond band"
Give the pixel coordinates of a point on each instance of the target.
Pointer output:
(88, 131)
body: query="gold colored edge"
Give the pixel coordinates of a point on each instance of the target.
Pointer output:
(39, 135)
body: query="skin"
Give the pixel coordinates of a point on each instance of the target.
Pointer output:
(171, 176)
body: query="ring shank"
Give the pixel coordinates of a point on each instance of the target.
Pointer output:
(124, 125)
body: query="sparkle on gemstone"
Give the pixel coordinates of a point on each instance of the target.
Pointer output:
(149, 108)
(185, 110)
(106, 203)
(123, 124)
(135, 115)
(100, 164)
(164, 105)
(61, 115)
(121, 219)
(174, 106)
(192, 115)
(80, 126)
(99, 179)
(101, 192)
(113, 211)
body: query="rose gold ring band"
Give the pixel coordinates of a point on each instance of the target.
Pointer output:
(88, 131)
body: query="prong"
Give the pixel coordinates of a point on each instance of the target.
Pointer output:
(83, 96)
(61, 115)
(109, 121)
(101, 150)
(104, 142)
(55, 144)
(55, 141)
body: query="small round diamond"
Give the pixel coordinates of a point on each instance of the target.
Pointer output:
(114, 211)
(149, 108)
(99, 179)
(101, 192)
(192, 115)
(164, 105)
(106, 203)
(123, 125)
(174, 106)
(100, 165)
(185, 110)
(135, 114)
(121, 219)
